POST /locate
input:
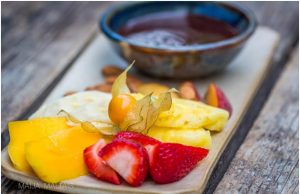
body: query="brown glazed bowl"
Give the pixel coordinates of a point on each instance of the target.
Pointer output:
(185, 61)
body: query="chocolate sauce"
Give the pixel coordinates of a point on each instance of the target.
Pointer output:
(176, 29)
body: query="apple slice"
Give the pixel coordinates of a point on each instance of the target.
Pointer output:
(189, 91)
(216, 97)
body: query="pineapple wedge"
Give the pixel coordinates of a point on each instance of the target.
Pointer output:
(93, 106)
(192, 114)
(191, 137)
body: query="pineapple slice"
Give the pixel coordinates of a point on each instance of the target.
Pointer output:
(93, 106)
(192, 114)
(191, 137)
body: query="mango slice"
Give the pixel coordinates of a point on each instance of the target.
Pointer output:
(21, 132)
(60, 156)
(191, 137)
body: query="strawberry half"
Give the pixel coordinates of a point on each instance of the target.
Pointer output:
(97, 166)
(171, 161)
(128, 158)
(146, 141)
(138, 137)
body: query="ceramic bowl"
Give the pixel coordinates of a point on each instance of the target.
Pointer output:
(181, 61)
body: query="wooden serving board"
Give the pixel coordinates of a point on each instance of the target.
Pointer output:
(240, 81)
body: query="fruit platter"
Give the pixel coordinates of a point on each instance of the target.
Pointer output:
(120, 136)
(133, 136)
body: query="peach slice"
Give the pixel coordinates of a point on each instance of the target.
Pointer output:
(216, 97)
(189, 91)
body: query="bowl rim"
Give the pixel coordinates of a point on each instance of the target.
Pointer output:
(235, 40)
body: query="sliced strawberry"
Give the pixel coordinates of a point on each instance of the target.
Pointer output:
(97, 166)
(171, 161)
(128, 158)
(138, 137)
(146, 141)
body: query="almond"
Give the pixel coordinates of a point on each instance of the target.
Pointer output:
(133, 83)
(110, 79)
(111, 70)
(68, 93)
(100, 87)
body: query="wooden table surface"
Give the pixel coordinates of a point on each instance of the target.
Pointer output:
(40, 40)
